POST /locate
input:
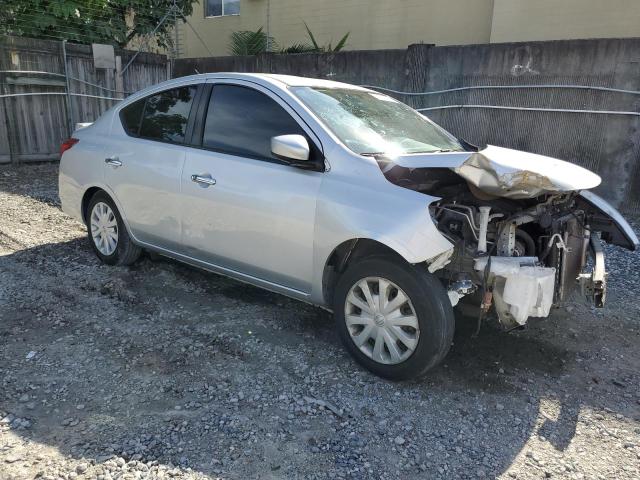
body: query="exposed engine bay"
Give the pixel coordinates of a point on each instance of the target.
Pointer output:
(521, 240)
(524, 260)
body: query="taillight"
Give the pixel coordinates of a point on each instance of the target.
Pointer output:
(67, 144)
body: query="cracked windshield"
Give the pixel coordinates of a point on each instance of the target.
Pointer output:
(372, 123)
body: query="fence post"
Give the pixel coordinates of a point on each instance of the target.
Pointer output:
(68, 90)
(119, 79)
(7, 121)
(417, 67)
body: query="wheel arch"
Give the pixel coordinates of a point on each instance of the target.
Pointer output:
(347, 252)
(86, 198)
(90, 191)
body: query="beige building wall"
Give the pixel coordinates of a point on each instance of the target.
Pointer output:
(522, 20)
(387, 24)
(373, 24)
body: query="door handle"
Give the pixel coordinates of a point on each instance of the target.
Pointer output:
(113, 161)
(204, 180)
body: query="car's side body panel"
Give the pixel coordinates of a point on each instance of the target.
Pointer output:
(258, 218)
(81, 168)
(146, 180)
(147, 185)
(357, 202)
(351, 199)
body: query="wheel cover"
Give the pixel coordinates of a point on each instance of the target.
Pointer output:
(381, 320)
(104, 228)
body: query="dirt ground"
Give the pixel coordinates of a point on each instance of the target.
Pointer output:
(164, 371)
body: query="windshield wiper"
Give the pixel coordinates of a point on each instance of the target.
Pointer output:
(444, 150)
(379, 154)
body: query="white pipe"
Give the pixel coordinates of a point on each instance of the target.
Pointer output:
(531, 109)
(76, 79)
(504, 87)
(38, 94)
(484, 223)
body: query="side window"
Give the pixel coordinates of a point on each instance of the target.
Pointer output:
(241, 121)
(163, 116)
(131, 116)
(166, 114)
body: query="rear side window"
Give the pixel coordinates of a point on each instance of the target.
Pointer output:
(131, 116)
(241, 121)
(162, 117)
(166, 114)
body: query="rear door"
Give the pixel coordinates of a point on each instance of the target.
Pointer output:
(256, 215)
(143, 166)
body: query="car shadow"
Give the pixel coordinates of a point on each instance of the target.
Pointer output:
(166, 363)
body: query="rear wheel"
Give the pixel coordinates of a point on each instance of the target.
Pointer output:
(107, 233)
(394, 318)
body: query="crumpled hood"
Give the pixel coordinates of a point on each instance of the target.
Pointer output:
(508, 173)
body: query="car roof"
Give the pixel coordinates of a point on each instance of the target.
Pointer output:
(264, 79)
(272, 79)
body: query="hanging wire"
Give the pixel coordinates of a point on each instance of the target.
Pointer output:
(85, 25)
(76, 79)
(530, 109)
(502, 87)
(73, 94)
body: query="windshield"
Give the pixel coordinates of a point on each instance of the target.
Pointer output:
(372, 123)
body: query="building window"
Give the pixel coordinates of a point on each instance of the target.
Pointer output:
(219, 8)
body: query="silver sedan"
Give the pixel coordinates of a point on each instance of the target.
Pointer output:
(344, 198)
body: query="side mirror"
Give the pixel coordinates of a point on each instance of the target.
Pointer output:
(290, 147)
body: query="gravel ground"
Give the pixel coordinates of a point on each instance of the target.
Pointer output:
(164, 371)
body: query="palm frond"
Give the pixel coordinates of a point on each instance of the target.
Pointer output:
(299, 48)
(312, 38)
(247, 42)
(343, 41)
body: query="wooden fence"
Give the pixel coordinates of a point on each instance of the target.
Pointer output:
(33, 126)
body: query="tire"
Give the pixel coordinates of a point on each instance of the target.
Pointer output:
(107, 222)
(430, 336)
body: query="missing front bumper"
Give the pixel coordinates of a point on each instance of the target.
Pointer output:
(594, 284)
(522, 288)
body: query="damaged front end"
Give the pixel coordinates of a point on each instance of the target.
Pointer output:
(525, 232)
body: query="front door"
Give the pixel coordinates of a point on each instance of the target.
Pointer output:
(242, 208)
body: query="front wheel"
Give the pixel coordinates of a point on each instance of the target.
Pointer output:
(394, 318)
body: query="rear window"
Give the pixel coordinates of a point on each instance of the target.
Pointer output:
(162, 117)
